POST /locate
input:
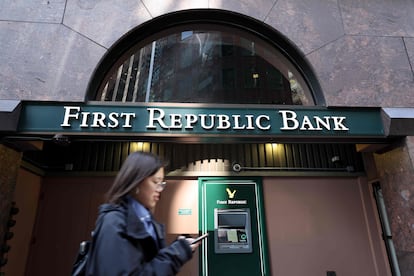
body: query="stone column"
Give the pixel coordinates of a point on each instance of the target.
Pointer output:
(396, 173)
(9, 167)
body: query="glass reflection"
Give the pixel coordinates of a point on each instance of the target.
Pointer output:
(207, 66)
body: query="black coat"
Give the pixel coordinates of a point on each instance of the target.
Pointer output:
(123, 246)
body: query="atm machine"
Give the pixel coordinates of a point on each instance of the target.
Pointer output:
(231, 211)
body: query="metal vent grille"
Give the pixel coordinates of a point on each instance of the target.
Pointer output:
(108, 156)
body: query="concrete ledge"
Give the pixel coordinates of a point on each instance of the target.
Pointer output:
(9, 115)
(398, 121)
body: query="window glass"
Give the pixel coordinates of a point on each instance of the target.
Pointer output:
(208, 64)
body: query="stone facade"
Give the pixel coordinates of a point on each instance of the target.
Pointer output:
(361, 51)
(395, 171)
(9, 167)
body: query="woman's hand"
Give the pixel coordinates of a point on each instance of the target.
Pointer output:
(193, 245)
(190, 242)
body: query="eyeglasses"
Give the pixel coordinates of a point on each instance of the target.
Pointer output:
(161, 186)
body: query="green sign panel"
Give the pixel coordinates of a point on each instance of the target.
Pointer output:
(185, 212)
(201, 120)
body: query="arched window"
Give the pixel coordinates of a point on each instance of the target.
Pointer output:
(205, 61)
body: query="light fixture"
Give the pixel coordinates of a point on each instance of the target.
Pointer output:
(61, 140)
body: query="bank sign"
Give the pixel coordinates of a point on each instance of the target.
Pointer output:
(200, 120)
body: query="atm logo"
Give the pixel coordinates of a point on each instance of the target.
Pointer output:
(230, 193)
(231, 200)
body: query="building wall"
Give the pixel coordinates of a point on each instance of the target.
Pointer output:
(361, 51)
(304, 214)
(26, 197)
(396, 177)
(67, 205)
(9, 167)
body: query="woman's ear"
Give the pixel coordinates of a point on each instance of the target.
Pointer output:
(137, 190)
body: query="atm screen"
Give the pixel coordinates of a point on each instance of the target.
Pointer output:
(232, 228)
(232, 231)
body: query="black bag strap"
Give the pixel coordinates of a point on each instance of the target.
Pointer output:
(85, 250)
(91, 244)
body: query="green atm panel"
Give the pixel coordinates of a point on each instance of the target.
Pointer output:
(231, 211)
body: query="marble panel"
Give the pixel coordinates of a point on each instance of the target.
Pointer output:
(50, 11)
(258, 9)
(160, 7)
(365, 71)
(45, 62)
(409, 45)
(309, 24)
(104, 21)
(378, 17)
(396, 174)
(9, 167)
(410, 147)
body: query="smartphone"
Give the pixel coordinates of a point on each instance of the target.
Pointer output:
(199, 238)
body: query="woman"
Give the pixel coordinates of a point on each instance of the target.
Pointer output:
(127, 242)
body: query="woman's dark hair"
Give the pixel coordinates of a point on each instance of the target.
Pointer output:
(137, 167)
